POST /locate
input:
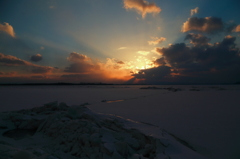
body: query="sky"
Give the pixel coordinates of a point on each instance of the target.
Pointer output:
(120, 41)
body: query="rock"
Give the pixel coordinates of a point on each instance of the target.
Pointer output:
(22, 155)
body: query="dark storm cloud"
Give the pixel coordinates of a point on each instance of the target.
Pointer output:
(36, 58)
(207, 25)
(160, 61)
(219, 62)
(153, 75)
(197, 39)
(176, 54)
(217, 57)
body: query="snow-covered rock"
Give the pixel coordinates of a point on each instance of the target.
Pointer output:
(57, 131)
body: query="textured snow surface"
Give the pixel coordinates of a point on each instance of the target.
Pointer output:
(57, 131)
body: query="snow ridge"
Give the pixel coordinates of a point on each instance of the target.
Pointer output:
(57, 131)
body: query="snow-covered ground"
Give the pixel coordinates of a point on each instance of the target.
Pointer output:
(206, 117)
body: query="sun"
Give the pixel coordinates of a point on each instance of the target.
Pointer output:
(140, 63)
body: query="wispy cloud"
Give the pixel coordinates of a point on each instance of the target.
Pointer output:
(121, 48)
(143, 52)
(142, 7)
(156, 40)
(194, 11)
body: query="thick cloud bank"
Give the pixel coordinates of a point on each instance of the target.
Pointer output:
(199, 63)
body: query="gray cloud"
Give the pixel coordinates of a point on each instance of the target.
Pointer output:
(77, 57)
(207, 25)
(80, 63)
(160, 61)
(36, 58)
(219, 62)
(219, 56)
(197, 39)
(153, 75)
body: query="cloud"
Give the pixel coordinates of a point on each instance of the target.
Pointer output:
(122, 48)
(120, 62)
(42, 69)
(36, 58)
(77, 57)
(176, 54)
(152, 75)
(206, 25)
(85, 68)
(156, 40)
(237, 29)
(194, 11)
(80, 67)
(7, 28)
(160, 61)
(80, 63)
(9, 61)
(143, 52)
(142, 7)
(203, 61)
(197, 39)
(182, 64)
(12, 73)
